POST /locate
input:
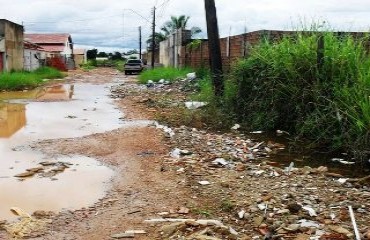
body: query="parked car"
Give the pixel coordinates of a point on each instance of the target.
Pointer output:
(133, 65)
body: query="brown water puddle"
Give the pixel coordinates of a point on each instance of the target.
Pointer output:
(61, 111)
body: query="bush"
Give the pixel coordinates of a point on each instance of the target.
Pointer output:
(280, 86)
(22, 80)
(167, 73)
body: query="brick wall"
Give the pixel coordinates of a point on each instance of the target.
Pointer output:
(233, 48)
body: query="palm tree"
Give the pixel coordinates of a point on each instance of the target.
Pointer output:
(158, 37)
(176, 23)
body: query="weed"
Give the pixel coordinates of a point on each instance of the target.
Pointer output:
(280, 86)
(167, 73)
(227, 205)
(23, 79)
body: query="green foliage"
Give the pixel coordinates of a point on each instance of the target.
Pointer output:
(167, 73)
(280, 86)
(91, 54)
(26, 80)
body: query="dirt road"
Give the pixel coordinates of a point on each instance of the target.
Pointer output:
(226, 178)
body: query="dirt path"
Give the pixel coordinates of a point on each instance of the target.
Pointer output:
(139, 188)
(227, 178)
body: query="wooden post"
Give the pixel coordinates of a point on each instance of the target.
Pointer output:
(214, 47)
(153, 38)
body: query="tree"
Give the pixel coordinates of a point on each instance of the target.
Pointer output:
(102, 54)
(176, 23)
(133, 51)
(91, 54)
(116, 56)
(158, 37)
(169, 27)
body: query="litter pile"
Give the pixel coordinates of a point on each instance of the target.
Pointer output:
(233, 182)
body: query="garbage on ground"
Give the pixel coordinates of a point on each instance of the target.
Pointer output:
(191, 76)
(27, 226)
(195, 105)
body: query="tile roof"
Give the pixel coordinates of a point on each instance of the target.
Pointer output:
(53, 48)
(47, 37)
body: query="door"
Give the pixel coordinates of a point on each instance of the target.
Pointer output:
(1, 61)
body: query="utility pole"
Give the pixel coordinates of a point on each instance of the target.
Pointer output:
(140, 42)
(214, 47)
(153, 38)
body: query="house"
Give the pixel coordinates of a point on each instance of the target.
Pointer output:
(57, 45)
(80, 56)
(34, 56)
(11, 46)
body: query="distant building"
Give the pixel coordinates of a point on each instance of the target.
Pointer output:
(57, 45)
(80, 56)
(11, 46)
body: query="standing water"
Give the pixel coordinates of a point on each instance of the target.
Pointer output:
(29, 179)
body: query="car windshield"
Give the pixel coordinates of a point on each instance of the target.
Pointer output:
(134, 61)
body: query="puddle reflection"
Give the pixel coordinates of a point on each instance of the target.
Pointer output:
(12, 118)
(56, 92)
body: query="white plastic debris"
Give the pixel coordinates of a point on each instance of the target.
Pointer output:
(175, 153)
(342, 161)
(256, 132)
(204, 183)
(310, 211)
(235, 127)
(262, 206)
(220, 161)
(342, 180)
(165, 129)
(150, 82)
(161, 81)
(259, 172)
(289, 169)
(241, 214)
(191, 76)
(195, 105)
(308, 223)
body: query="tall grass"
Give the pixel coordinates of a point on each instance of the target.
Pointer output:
(27, 80)
(167, 73)
(279, 86)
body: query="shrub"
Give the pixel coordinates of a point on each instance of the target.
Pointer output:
(167, 73)
(280, 86)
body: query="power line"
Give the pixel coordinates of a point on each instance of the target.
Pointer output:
(76, 20)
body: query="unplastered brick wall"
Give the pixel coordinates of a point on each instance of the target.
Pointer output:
(233, 47)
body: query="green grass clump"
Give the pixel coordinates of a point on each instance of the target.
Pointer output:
(26, 80)
(280, 86)
(167, 73)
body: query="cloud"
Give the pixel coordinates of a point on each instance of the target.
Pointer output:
(106, 25)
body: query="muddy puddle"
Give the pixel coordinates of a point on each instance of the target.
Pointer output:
(301, 156)
(33, 181)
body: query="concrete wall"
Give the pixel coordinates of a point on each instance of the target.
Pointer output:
(30, 61)
(13, 41)
(80, 59)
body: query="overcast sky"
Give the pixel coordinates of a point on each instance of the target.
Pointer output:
(111, 25)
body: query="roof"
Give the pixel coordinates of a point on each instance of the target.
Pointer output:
(45, 38)
(79, 51)
(53, 48)
(33, 46)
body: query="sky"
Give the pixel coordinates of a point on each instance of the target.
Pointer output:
(112, 25)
